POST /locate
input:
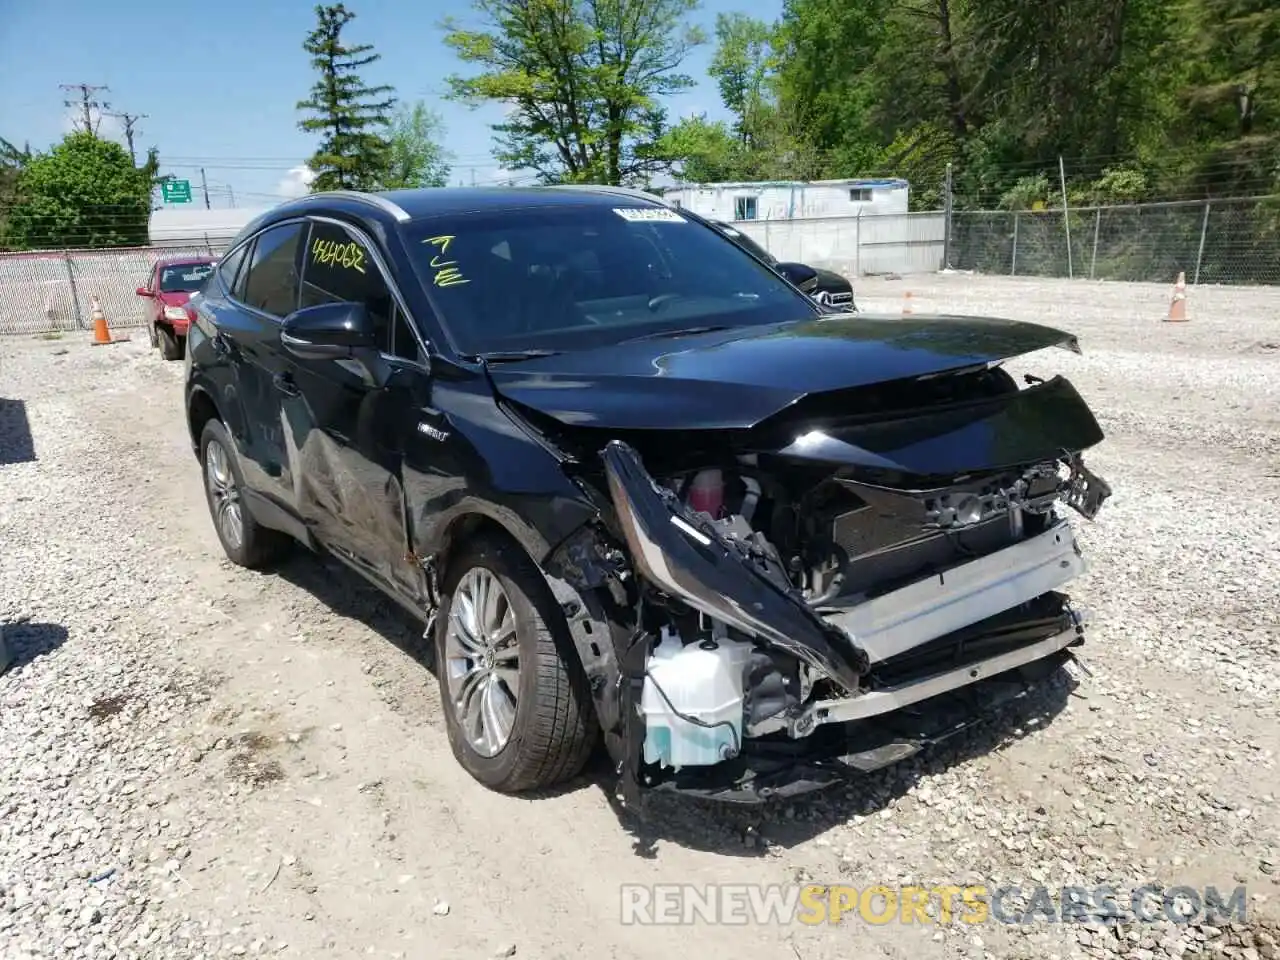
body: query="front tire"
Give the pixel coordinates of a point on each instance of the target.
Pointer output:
(516, 701)
(170, 344)
(245, 541)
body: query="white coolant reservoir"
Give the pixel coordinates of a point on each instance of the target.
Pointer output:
(701, 682)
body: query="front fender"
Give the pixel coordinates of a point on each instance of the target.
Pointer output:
(474, 460)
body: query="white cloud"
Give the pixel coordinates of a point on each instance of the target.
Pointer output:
(297, 182)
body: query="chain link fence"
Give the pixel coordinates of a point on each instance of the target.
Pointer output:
(1212, 241)
(52, 290)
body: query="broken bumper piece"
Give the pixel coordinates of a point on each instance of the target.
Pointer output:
(870, 680)
(775, 769)
(892, 623)
(717, 579)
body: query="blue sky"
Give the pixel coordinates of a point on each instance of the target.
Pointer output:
(218, 82)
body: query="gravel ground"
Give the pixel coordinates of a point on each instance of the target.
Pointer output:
(199, 761)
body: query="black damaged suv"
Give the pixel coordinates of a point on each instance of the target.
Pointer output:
(641, 490)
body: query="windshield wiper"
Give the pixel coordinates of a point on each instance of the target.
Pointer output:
(682, 332)
(505, 356)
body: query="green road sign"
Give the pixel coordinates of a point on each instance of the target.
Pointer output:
(176, 191)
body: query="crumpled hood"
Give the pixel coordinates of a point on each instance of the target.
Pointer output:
(175, 298)
(736, 378)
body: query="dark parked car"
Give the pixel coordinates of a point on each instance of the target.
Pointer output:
(638, 487)
(825, 286)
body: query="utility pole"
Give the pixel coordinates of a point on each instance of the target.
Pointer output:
(204, 185)
(129, 119)
(947, 207)
(86, 103)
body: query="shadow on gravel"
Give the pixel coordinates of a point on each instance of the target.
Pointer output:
(747, 831)
(16, 443)
(22, 642)
(346, 595)
(731, 830)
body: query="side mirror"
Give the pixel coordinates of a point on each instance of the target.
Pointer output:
(329, 331)
(804, 277)
(144, 292)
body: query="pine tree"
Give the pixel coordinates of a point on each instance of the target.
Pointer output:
(354, 154)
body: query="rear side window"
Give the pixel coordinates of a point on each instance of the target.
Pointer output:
(271, 284)
(337, 268)
(230, 266)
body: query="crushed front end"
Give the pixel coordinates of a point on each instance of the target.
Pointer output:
(801, 614)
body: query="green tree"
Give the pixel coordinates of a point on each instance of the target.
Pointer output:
(759, 143)
(1233, 96)
(583, 81)
(416, 158)
(743, 68)
(12, 161)
(354, 153)
(85, 192)
(705, 151)
(828, 85)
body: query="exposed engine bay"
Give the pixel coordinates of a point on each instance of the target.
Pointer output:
(791, 613)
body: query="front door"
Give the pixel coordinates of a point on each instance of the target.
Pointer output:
(349, 421)
(265, 291)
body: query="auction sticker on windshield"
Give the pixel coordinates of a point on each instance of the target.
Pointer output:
(648, 215)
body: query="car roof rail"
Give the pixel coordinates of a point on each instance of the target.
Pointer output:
(631, 192)
(381, 202)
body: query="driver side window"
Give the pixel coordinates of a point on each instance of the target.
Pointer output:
(337, 268)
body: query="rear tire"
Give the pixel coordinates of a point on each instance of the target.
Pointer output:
(171, 344)
(546, 736)
(245, 541)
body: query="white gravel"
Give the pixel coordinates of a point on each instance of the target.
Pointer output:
(197, 761)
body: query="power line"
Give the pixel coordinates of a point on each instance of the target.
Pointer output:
(129, 119)
(87, 104)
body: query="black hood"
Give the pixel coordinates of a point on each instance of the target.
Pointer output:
(832, 282)
(735, 379)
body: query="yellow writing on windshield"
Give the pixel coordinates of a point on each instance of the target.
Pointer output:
(349, 255)
(447, 272)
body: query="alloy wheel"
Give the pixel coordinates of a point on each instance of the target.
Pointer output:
(224, 495)
(482, 661)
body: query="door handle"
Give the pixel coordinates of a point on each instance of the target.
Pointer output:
(284, 383)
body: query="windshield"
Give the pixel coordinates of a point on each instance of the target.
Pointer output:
(574, 277)
(743, 240)
(184, 277)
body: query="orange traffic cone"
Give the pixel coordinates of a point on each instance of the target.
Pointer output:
(101, 332)
(906, 304)
(1178, 306)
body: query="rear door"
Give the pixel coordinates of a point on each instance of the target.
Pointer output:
(349, 424)
(265, 291)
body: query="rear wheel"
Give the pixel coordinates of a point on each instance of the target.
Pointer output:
(170, 344)
(245, 541)
(516, 700)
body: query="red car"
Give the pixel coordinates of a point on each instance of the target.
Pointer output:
(169, 286)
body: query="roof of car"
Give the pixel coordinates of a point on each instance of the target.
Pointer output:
(425, 202)
(179, 259)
